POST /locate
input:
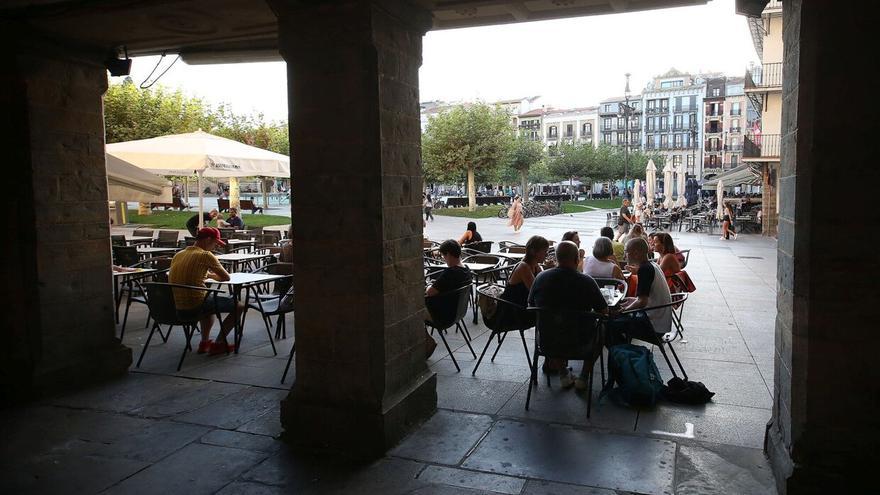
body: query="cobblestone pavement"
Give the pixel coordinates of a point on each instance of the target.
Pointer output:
(213, 427)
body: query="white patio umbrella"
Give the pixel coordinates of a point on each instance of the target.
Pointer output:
(201, 153)
(719, 210)
(650, 180)
(667, 184)
(682, 200)
(637, 196)
(127, 182)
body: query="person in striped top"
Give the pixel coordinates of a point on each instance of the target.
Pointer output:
(191, 267)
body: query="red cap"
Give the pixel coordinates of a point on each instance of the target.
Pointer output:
(210, 233)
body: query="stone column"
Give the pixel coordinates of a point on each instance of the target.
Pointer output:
(58, 329)
(361, 378)
(825, 429)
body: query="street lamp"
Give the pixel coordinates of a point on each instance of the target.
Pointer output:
(693, 134)
(627, 111)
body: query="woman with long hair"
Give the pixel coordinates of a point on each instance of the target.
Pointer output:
(727, 224)
(428, 204)
(664, 246)
(515, 214)
(573, 236)
(524, 273)
(470, 235)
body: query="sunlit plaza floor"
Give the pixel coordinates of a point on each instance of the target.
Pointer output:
(213, 426)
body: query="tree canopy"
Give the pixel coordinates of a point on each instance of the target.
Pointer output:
(466, 139)
(132, 113)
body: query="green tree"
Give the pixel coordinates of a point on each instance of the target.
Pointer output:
(465, 140)
(568, 161)
(522, 155)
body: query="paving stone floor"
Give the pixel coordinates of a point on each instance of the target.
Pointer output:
(213, 426)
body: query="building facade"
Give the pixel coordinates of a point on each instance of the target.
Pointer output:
(614, 130)
(574, 125)
(673, 123)
(763, 87)
(725, 119)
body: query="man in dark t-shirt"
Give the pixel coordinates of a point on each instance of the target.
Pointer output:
(564, 287)
(192, 225)
(453, 277)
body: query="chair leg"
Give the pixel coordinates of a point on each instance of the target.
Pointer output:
(125, 318)
(271, 340)
(522, 335)
(590, 393)
(289, 360)
(683, 372)
(467, 338)
(166, 334)
(279, 322)
(451, 356)
(668, 362)
(188, 331)
(488, 341)
(146, 344)
(501, 337)
(602, 363)
(533, 378)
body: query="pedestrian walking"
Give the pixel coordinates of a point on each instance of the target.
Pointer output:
(624, 220)
(515, 214)
(428, 204)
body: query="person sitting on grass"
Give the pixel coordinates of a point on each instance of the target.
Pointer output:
(191, 267)
(233, 222)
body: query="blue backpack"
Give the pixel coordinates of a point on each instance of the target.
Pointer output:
(632, 368)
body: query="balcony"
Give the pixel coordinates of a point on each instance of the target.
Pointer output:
(761, 146)
(764, 78)
(733, 147)
(685, 108)
(735, 130)
(714, 129)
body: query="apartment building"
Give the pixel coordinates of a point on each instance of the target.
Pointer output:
(673, 123)
(572, 125)
(614, 129)
(763, 87)
(725, 118)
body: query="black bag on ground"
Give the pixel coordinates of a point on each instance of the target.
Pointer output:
(686, 392)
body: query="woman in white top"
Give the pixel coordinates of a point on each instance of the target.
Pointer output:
(600, 264)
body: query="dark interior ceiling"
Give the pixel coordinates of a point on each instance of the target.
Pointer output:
(214, 31)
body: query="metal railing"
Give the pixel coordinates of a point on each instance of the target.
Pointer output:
(733, 147)
(764, 76)
(735, 130)
(718, 129)
(761, 146)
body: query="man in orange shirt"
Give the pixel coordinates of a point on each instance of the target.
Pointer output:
(191, 267)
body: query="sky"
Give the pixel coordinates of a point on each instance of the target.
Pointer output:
(569, 62)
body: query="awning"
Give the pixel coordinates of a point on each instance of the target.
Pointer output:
(743, 175)
(126, 182)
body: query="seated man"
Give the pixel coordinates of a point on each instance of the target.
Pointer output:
(652, 290)
(453, 277)
(233, 222)
(192, 225)
(564, 287)
(191, 267)
(617, 246)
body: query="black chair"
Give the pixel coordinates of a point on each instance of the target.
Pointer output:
(664, 339)
(163, 310)
(281, 287)
(687, 255)
(118, 240)
(504, 246)
(277, 306)
(144, 233)
(482, 246)
(449, 309)
(125, 255)
(567, 334)
(166, 238)
(508, 317)
(134, 290)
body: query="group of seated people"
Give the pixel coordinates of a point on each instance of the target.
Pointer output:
(570, 284)
(233, 221)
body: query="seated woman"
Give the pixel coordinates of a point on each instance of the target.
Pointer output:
(470, 235)
(669, 261)
(573, 236)
(636, 231)
(601, 263)
(520, 281)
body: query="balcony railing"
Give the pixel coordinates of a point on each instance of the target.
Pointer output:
(714, 130)
(764, 76)
(685, 108)
(761, 146)
(733, 147)
(736, 112)
(735, 130)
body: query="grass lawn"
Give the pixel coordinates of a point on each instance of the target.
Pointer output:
(587, 205)
(481, 212)
(177, 219)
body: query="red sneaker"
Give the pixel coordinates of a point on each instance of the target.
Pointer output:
(205, 346)
(221, 348)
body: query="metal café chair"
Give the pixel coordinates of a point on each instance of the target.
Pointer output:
(663, 339)
(134, 291)
(446, 310)
(508, 317)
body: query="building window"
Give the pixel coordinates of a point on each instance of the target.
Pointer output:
(606, 138)
(586, 130)
(677, 141)
(664, 141)
(652, 104)
(664, 123)
(716, 91)
(734, 125)
(664, 105)
(734, 159)
(676, 122)
(676, 161)
(690, 162)
(692, 120)
(569, 130)
(606, 123)
(621, 137)
(607, 108)
(735, 108)
(620, 123)
(552, 132)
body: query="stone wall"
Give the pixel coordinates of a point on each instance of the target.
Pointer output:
(60, 330)
(825, 429)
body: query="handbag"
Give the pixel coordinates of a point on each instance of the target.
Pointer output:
(680, 282)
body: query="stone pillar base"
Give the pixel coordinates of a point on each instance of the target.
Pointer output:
(358, 433)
